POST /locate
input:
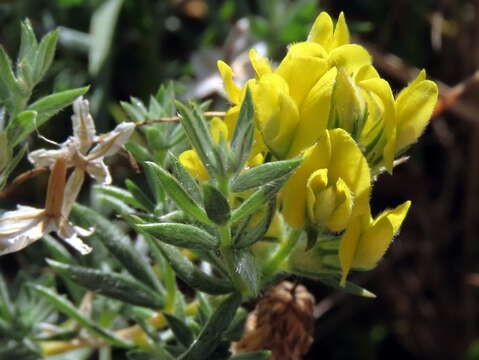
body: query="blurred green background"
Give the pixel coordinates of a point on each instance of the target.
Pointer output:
(427, 284)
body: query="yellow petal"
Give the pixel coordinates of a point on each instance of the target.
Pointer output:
(316, 183)
(293, 194)
(301, 73)
(314, 113)
(347, 248)
(348, 163)
(322, 30)
(306, 48)
(366, 72)
(381, 88)
(341, 32)
(375, 240)
(190, 160)
(231, 117)
(218, 129)
(414, 107)
(260, 64)
(351, 57)
(232, 90)
(340, 216)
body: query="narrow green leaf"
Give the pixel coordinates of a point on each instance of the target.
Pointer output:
(133, 113)
(257, 199)
(115, 241)
(181, 235)
(12, 165)
(28, 41)
(7, 308)
(21, 126)
(212, 332)
(56, 250)
(246, 267)
(53, 103)
(182, 199)
(181, 331)
(351, 288)
(236, 329)
(243, 134)
(258, 232)
(257, 355)
(187, 181)
(216, 205)
(110, 284)
(44, 55)
(118, 193)
(200, 138)
(5, 150)
(145, 203)
(66, 307)
(190, 274)
(140, 153)
(262, 174)
(6, 73)
(102, 28)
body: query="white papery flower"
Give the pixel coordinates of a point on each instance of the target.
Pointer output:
(78, 150)
(19, 228)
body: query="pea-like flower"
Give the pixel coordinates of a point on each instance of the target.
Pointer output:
(19, 228)
(366, 240)
(331, 185)
(293, 102)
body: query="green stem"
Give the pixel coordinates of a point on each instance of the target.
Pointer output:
(278, 258)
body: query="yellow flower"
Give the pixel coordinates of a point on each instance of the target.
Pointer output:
(331, 185)
(292, 102)
(366, 240)
(402, 119)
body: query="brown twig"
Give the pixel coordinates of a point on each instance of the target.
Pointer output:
(177, 118)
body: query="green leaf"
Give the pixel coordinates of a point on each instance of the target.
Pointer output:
(110, 284)
(187, 181)
(236, 329)
(200, 138)
(5, 150)
(28, 41)
(66, 307)
(57, 250)
(12, 165)
(7, 308)
(246, 267)
(115, 241)
(118, 193)
(141, 198)
(102, 28)
(190, 274)
(21, 126)
(181, 331)
(243, 134)
(216, 205)
(157, 353)
(53, 103)
(262, 174)
(140, 153)
(212, 332)
(181, 235)
(258, 232)
(182, 199)
(257, 199)
(351, 288)
(6, 74)
(257, 355)
(44, 55)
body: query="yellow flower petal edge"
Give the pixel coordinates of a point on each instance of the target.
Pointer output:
(326, 34)
(232, 90)
(260, 64)
(414, 107)
(365, 242)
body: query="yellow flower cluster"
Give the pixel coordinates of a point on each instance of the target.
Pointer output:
(326, 103)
